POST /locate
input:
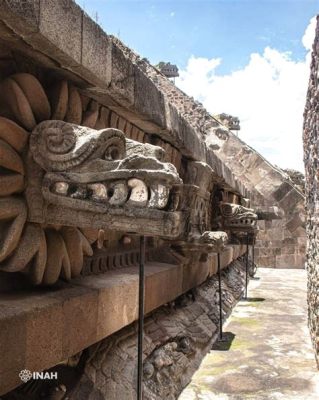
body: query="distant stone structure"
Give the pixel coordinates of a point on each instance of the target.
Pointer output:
(168, 69)
(232, 123)
(297, 177)
(97, 148)
(311, 159)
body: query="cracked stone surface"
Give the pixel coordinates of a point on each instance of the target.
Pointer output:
(270, 356)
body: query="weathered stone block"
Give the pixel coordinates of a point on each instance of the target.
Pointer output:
(44, 338)
(231, 148)
(264, 251)
(163, 283)
(184, 136)
(242, 249)
(61, 24)
(79, 322)
(289, 241)
(122, 80)
(236, 251)
(286, 261)
(96, 51)
(150, 105)
(194, 275)
(261, 225)
(251, 160)
(288, 250)
(281, 192)
(290, 200)
(267, 261)
(271, 180)
(117, 300)
(12, 347)
(24, 16)
(213, 264)
(275, 234)
(295, 222)
(226, 257)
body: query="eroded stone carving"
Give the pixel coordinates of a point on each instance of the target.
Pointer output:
(59, 179)
(237, 217)
(92, 171)
(269, 213)
(232, 123)
(239, 222)
(176, 338)
(68, 180)
(195, 202)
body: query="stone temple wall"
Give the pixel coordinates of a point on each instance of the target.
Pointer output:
(311, 159)
(280, 243)
(111, 86)
(177, 337)
(63, 38)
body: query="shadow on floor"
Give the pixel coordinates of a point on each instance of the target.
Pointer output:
(253, 299)
(225, 343)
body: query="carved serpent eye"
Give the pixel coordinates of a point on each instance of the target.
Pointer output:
(112, 153)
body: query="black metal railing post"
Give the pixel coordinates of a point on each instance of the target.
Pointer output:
(220, 298)
(247, 266)
(141, 294)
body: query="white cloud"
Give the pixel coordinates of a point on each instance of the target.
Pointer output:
(268, 95)
(309, 34)
(172, 14)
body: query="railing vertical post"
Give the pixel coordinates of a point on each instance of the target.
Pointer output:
(141, 293)
(253, 253)
(220, 298)
(247, 266)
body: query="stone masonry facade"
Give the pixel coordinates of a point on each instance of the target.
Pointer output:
(99, 149)
(311, 159)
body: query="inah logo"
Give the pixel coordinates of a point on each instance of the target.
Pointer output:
(25, 375)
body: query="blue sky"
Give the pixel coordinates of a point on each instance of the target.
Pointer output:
(231, 29)
(246, 58)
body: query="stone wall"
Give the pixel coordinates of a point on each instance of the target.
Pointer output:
(177, 336)
(279, 244)
(176, 339)
(118, 78)
(311, 159)
(57, 41)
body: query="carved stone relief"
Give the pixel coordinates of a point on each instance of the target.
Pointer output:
(59, 178)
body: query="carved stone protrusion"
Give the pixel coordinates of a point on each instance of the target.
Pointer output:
(195, 203)
(216, 137)
(200, 174)
(66, 178)
(232, 123)
(238, 218)
(269, 213)
(245, 202)
(212, 242)
(98, 173)
(221, 133)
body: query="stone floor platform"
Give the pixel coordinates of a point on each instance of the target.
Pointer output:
(270, 356)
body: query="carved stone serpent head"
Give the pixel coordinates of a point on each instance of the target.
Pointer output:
(58, 177)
